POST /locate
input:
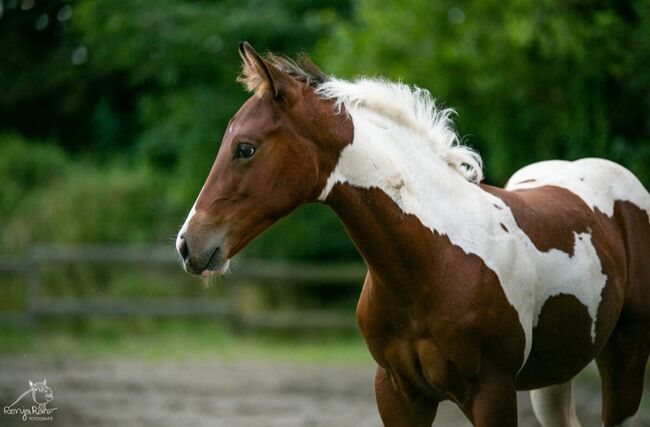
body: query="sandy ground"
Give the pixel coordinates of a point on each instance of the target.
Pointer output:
(216, 393)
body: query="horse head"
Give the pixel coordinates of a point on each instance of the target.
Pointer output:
(41, 392)
(276, 154)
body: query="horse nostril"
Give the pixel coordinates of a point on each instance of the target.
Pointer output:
(183, 250)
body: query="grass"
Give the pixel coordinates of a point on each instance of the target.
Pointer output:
(157, 340)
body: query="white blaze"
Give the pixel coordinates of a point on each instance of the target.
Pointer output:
(183, 229)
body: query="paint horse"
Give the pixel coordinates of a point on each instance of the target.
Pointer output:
(473, 292)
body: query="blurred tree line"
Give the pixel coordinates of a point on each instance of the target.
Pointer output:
(111, 111)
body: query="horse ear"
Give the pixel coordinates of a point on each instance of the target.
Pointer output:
(31, 384)
(44, 381)
(257, 74)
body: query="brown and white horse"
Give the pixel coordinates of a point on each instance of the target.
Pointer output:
(472, 291)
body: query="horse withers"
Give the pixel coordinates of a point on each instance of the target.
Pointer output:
(473, 292)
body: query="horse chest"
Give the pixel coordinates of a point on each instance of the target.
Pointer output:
(420, 354)
(426, 366)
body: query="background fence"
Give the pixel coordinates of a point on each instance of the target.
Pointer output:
(227, 307)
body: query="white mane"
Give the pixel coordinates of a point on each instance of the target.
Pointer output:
(411, 107)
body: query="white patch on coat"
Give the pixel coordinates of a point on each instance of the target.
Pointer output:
(186, 224)
(596, 181)
(398, 159)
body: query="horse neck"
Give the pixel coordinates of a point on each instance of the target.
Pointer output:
(397, 200)
(388, 240)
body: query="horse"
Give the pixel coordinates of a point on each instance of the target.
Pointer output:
(473, 291)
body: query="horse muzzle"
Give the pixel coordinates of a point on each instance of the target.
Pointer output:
(205, 259)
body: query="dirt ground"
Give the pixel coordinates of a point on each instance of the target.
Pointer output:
(216, 393)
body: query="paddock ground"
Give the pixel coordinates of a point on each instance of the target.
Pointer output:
(220, 393)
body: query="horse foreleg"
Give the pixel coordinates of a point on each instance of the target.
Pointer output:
(493, 402)
(396, 409)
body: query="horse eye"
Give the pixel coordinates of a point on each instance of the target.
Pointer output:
(244, 150)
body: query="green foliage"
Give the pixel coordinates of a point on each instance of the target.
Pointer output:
(178, 63)
(87, 205)
(25, 167)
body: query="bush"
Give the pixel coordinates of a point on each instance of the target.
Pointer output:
(24, 167)
(111, 205)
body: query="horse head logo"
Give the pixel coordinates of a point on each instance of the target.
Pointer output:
(41, 393)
